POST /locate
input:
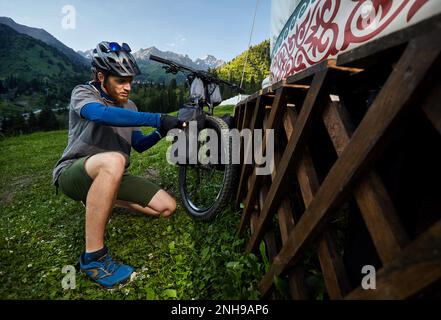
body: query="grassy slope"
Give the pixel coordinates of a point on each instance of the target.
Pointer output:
(41, 232)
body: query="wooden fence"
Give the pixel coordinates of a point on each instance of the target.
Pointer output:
(356, 178)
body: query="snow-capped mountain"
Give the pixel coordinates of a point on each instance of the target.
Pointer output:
(208, 62)
(142, 55)
(86, 54)
(205, 63)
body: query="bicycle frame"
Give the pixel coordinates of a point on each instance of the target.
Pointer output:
(206, 77)
(197, 208)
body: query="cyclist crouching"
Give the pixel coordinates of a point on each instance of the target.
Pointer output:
(103, 127)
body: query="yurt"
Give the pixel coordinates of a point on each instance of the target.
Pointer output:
(306, 32)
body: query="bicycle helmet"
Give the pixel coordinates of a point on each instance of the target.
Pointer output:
(113, 59)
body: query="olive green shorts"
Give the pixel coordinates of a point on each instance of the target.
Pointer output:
(75, 183)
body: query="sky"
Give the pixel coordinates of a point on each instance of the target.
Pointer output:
(194, 27)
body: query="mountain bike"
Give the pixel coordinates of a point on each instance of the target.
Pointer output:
(205, 187)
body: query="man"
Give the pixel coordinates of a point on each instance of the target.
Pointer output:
(103, 127)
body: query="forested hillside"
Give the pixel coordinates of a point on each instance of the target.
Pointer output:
(257, 67)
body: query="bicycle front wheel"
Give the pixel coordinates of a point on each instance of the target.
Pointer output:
(207, 188)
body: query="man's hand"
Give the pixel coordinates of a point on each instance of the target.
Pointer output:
(168, 123)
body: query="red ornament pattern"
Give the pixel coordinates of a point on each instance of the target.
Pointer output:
(319, 36)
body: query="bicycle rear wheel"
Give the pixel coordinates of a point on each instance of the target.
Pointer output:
(207, 188)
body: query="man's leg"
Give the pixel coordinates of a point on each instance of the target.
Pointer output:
(106, 170)
(162, 204)
(96, 180)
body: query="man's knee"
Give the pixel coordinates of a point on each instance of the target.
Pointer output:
(168, 207)
(112, 163)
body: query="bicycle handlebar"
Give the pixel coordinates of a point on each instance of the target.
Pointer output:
(175, 67)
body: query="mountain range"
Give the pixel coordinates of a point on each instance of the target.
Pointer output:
(46, 37)
(25, 57)
(35, 67)
(152, 71)
(84, 57)
(142, 55)
(33, 73)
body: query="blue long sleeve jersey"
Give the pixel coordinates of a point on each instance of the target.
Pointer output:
(119, 117)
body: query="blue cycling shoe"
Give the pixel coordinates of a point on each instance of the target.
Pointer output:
(105, 271)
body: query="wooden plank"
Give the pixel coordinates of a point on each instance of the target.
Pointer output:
(373, 51)
(296, 282)
(285, 211)
(253, 221)
(417, 267)
(380, 216)
(270, 238)
(307, 177)
(253, 97)
(365, 144)
(284, 83)
(271, 245)
(376, 207)
(239, 118)
(338, 124)
(279, 84)
(258, 114)
(306, 76)
(247, 118)
(236, 115)
(333, 269)
(350, 70)
(267, 91)
(296, 278)
(246, 115)
(286, 219)
(274, 118)
(431, 106)
(297, 286)
(331, 264)
(303, 126)
(254, 182)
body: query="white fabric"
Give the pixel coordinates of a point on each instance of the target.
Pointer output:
(197, 89)
(234, 100)
(266, 82)
(215, 97)
(281, 10)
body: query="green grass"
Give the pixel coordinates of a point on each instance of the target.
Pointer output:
(41, 232)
